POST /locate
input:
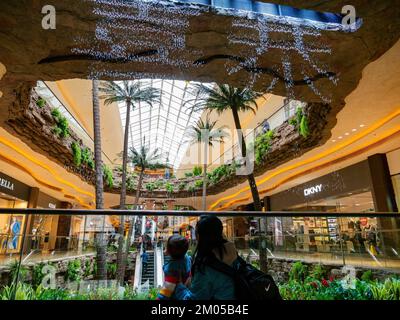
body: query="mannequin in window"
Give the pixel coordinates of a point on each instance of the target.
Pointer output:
(15, 229)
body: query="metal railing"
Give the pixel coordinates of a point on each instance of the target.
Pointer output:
(359, 240)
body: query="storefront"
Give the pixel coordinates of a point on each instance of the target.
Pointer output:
(360, 188)
(51, 232)
(44, 233)
(13, 194)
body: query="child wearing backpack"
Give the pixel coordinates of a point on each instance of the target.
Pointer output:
(177, 270)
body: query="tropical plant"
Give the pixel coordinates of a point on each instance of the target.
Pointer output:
(159, 184)
(221, 98)
(150, 186)
(112, 269)
(101, 271)
(206, 133)
(300, 121)
(37, 274)
(181, 186)
(188, 174)
(262, 145)
(40, 102)
(73, 272)
(62, 127)
(367, 276)
(197, 170)
(142, 158)
(169, 187)
(87, 157)
(132, 93)
(77, 153)
(298, 272)
(17, 270)
(198, 184)
(108, 176)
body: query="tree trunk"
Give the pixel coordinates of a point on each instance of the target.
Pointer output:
(122, 201)
(204, 200)
(250, 177)
(132, 225)
(254, 192)
(101, 241)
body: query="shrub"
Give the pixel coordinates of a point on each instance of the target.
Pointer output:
(13, 267)
(41, 103)
(198, 184)
(169, 187)
(108, 176)
(191, 188)
(318, 272)
(188, 174)
(112, 269)
(37, 274)
(262, 145)
(150, 186)
(301, 122)
(197, 171)
(62, 126)
(130, 182)
(181, 186)
(87, 158)
(77, 154)
(159, 184)
(298, 272)
(367, 276)
(73, 272)
(303, 128)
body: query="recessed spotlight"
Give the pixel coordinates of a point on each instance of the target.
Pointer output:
(333, 140)
(340, 137)
(362, 125)
(346, 134)
(354, 130)
(357, 204)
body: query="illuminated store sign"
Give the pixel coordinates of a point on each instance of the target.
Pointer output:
(312, 190)
(6, 184)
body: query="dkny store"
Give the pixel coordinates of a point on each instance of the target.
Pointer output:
(364, 187)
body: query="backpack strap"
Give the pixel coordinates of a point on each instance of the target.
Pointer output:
(218, 265)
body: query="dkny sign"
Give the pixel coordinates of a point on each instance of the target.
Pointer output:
(312, 190)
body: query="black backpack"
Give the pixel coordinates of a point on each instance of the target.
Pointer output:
(250, 283)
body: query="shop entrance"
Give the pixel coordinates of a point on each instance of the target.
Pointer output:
(11, 225)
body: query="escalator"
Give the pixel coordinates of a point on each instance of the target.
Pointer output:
(148, 274)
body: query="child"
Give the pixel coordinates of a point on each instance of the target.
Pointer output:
(177, 270)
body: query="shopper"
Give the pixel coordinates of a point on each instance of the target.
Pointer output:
(145, 260)
(208, 283)
(177, 269)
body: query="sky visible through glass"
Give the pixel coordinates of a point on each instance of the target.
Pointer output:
(163, 126)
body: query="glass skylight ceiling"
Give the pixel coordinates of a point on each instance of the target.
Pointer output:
(164, 125)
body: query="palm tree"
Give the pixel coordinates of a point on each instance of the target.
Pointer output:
(101, 247)
(222, 98)
(205, 132)
(131, 93)
(142, 158)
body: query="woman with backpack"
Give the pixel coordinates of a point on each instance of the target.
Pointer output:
(207, 283)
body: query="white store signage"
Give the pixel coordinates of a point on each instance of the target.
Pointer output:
(313, 190)
(6, 184)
